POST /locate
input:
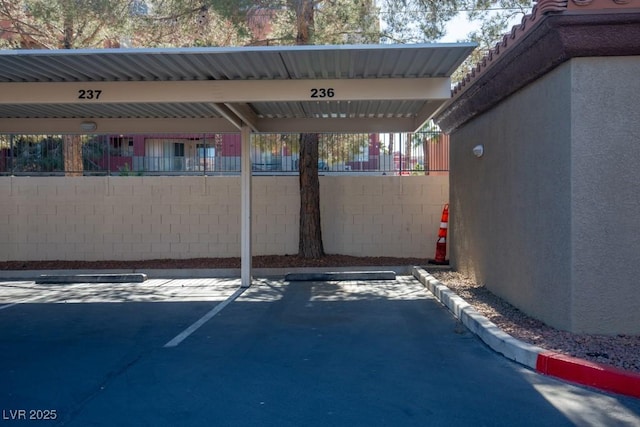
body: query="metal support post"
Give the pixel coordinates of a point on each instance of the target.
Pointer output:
(245, 207)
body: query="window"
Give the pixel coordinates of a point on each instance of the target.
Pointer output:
(123, 146)
(178, 149)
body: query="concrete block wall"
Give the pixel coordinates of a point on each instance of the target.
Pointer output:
(382, 216)
(136, 218)
(275, 215)
(97, 218)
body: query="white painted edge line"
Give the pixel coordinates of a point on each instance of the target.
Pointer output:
(498, 340)
(15, 303)
(204, 319)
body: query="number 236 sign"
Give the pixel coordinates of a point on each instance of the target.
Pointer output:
(322, 92)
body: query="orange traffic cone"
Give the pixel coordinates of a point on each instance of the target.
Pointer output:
(441, 243)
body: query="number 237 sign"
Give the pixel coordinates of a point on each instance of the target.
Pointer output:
(89, 94)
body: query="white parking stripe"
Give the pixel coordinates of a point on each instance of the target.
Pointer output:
(204, 319)
(25, 301)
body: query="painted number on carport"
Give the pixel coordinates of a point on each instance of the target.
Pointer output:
(89, 94)
(322, 92)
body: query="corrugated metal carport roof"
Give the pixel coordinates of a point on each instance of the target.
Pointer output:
(296, 88)
(366, 88)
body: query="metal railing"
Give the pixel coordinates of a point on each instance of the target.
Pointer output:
(219, 154)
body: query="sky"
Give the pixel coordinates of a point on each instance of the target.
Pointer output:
(458, 28)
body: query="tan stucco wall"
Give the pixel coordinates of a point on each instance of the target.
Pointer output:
(510, 209)
(548, 218)
(120, 218)
(605, 164)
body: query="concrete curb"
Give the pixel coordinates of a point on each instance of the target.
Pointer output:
(494, 337)
(344, 275)
(185, 273)
(60, 279)
(596, 375)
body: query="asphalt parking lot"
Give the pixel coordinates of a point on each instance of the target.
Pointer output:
(195, 352)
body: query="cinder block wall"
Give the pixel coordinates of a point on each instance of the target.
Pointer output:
(136, 218)
(382, 216)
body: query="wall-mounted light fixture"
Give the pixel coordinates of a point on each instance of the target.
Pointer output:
(478, 150)
(88, 126)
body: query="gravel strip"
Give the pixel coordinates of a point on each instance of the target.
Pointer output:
(621, 351)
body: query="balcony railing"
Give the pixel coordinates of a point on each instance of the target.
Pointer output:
(215, 154)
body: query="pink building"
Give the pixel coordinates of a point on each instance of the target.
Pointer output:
(171, 153)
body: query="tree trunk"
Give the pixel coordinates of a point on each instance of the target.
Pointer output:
(304, 21)
(425, 154)
(310, 236)
(72, 155)
(67, 41)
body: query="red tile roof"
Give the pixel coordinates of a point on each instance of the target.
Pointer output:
(553, 33)
(542, 8)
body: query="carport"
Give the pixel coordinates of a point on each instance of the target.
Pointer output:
(363, 88)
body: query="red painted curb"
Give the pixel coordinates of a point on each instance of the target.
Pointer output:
(587, 373)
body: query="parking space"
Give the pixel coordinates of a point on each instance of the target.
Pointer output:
(278, 353)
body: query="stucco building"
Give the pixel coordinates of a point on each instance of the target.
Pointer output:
(547, 216)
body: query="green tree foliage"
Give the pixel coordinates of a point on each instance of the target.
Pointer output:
(334, 22)
(497, 18)
(415, 21)
(63, 24)
(70, 24)
(187, 23)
